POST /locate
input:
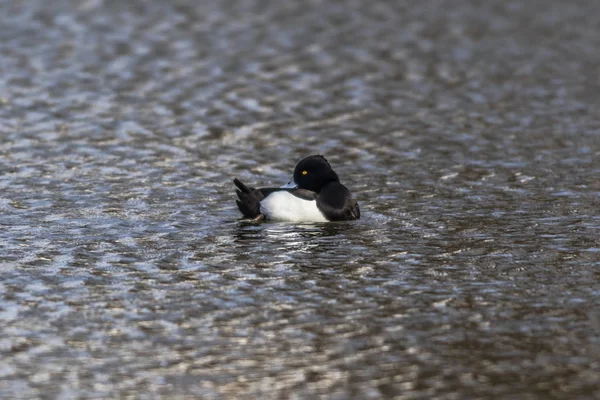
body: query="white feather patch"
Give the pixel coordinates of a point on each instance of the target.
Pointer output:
(284, 206)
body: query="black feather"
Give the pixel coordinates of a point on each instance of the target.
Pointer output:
(337, 204)
(249, 199)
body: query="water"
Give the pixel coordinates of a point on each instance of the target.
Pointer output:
(468, 132)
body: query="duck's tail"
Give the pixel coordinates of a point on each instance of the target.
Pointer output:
(249, 199)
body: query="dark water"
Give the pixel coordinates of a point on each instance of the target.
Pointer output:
(468, 131)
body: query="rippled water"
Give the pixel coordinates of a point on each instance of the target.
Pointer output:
(468, 131)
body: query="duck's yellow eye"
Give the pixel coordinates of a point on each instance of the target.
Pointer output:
(304, 172)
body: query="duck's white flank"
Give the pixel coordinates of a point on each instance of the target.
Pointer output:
(284, 206)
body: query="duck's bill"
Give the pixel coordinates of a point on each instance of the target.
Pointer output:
(290, 185)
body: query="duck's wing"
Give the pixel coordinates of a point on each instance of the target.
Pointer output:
(304, 194)
(300, 193)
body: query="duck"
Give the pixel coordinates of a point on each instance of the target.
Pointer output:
(314, 194)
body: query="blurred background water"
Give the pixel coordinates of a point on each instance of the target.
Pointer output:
(467, 130)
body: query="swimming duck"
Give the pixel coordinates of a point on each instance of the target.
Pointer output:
(314, 194)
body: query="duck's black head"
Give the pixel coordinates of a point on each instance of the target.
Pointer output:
(314, 172)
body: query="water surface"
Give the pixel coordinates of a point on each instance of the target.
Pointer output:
(468, 133)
